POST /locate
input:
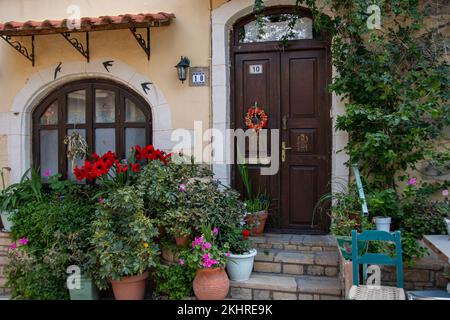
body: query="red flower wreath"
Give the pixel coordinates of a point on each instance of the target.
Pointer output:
(255, 118)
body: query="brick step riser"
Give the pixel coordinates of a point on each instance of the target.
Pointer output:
(296, 269)
(257, 294)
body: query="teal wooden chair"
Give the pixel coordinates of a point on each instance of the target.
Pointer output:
(370, 291)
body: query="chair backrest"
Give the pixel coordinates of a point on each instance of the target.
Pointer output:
(365, 210)
(377, 258)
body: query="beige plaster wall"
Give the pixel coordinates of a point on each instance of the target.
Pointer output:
(188, 35)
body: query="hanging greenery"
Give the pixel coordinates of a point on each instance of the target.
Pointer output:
(395, 81)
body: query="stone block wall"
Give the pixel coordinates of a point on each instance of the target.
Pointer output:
(5, 242)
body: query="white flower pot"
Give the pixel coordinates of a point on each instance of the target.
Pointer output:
(6, 221)
(447, 221)
(240, 266)
(383, 223)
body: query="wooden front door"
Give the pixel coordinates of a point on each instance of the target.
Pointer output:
(291, 86)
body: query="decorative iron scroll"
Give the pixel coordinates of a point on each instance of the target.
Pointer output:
(144, 43)
(21, 48)
(77, 44)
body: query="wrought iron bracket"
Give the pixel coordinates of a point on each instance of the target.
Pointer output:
(77, 44)
(145, 44)
(21, 48)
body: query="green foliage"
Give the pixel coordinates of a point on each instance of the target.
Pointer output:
(123, 236)
(175, 281)
(253, 203)
(58, 229)
(239, 244)
(182, 221)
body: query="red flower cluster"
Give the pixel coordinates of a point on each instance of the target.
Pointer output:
(100, 166)
(245, 234)
(150, 153)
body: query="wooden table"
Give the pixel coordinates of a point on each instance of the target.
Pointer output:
(439, 244)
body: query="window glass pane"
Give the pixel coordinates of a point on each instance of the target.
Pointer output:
(134, 136)
(105, 140)
(133, 113)
(76, 107)
(105, 102)
(49, 153)
(77, 161)
(275, 27)
(50, 115)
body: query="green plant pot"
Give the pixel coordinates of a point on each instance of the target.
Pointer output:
(345, 245)
(87, 290)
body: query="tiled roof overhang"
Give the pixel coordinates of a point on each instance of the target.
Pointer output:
(67, 28)
(125, 21)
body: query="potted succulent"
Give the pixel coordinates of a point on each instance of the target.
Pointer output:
(242, 254)
(211, 281)
(123, 240)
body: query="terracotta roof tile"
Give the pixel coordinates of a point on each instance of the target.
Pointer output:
(124, 21)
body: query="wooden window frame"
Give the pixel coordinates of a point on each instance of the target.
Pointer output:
(120, 125)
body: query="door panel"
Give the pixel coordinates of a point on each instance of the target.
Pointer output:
(305, 173)
(263, 87)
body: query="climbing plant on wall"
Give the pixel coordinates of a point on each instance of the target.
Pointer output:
(394, 79)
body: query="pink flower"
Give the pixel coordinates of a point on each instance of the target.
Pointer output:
(215, 231)
(445, 193)
(13, 246)
(198, 241)
(182, 187)
(101, 200)
(47, 173)
(412, 182)
(228, 254)
(23, 241)
(206, 246)
(181, 261)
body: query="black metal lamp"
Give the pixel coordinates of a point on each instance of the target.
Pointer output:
(182, 68)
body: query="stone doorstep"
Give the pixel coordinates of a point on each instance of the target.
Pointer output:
(322, 258)
(291, 284)
(270, 240)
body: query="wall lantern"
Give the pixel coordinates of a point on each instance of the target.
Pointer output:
(182, 68)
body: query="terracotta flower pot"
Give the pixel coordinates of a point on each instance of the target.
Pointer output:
(182, 242)
(262, 218)
(211, 284)
(130, 288)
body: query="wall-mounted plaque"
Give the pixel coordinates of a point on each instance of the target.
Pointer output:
(199, 76)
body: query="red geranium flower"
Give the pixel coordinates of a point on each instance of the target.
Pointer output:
(245, 233)
(148, 152)
(100, 168)
(136, 167)
(138, 153)
(79, 173)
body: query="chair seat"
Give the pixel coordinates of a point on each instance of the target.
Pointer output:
(368, 292)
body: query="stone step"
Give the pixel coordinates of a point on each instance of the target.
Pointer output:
(295, 242)
(314, 263)
(263, 286)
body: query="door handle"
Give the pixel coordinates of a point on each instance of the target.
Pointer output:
(283, 151)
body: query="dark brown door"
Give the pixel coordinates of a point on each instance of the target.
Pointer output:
(305, 130)
(291, 88)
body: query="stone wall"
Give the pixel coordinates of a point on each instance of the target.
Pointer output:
(5, 241)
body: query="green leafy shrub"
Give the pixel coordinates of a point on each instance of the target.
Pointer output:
(175, 280)
(123, 236)
(57, 228)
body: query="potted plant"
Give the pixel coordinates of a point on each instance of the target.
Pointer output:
(242, 255)
(257, 207)
(8, 201)
(177, 223)
(123, 240)
(211, 281)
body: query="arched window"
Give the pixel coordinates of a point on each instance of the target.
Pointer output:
(108, 115)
